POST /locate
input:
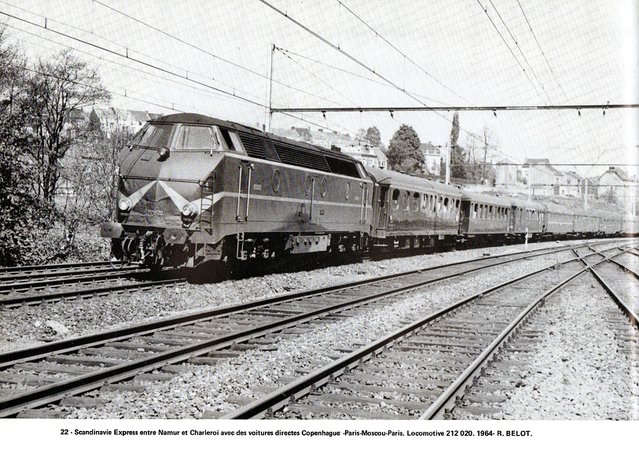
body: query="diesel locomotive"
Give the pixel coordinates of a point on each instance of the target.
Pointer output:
(195, 189)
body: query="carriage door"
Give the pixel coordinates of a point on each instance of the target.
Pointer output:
(245, 175)
(382, 208)
(464, 220)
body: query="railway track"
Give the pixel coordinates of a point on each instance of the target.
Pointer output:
(51, 286)
(608, 357)
(71, 367)
(428, 362)
(6, 273)
(620, 279)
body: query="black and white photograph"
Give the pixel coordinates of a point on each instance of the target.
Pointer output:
(396, 223)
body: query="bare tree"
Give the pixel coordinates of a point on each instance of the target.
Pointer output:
(60, 87)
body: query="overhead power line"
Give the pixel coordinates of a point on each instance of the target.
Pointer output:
(521, 51)
(400, 52)
(541, 49)
(357, 75)
(208, 53)
(508, 46)
(141, 62)
(358, 62)
(327, 109)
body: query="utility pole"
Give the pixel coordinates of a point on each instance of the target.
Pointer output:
(483, 165)
(448, 164)
(270, 89)
(586, 194)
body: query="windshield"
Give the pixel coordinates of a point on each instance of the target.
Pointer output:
(154, 136)
(196, 137)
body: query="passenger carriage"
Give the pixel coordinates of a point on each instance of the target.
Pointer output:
(413, 212)
(586, 223)
(484, 216)
(558, 220)
(527, 218)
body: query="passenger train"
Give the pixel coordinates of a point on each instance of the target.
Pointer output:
(194, 190)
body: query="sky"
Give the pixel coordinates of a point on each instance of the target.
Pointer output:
(195, 55)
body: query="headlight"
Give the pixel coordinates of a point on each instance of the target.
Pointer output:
(188, 210)
(124, 204)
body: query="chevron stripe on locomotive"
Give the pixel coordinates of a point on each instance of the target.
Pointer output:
(194, 189)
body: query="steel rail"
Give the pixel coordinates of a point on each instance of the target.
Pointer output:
(73, 344)
(621, 303)
(74, 278)
(84, 383)
(297, 389)
(445, 402)
(58, 266)
(105, 290)
(69, 273)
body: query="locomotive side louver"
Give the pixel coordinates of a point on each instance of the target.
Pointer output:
(254, 146)
(301, 158)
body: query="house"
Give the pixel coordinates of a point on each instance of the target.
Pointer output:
(616, 185)
(368, 155)
(571, 184)
(432, 158)
(507, 175)
(114, 119)
(541, 177)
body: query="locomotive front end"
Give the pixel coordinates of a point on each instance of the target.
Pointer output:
(165, 191)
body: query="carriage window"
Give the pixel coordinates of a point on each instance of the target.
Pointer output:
(196, 137)
(416, 201)
(407, 200)
(475, 208)
(446, 204)
(424, 203)
(457, 202)
(395, 198)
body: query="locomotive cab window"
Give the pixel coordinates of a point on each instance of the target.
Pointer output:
(227, 139)
(153, 135)
(196, 137)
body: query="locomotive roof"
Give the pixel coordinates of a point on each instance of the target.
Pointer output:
(194, 118)
(485, 198)
(403, 181)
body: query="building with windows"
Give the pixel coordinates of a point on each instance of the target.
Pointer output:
(615, 185)
(432, 158)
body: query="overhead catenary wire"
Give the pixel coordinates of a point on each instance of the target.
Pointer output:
(115, 64)
(357, 75)
(134, 59)
(485, 10)
(327, 109)
(358, 62)
(541, 49)
(205, 51)
(402, 53)
(521, 51)
(188, 75)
